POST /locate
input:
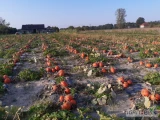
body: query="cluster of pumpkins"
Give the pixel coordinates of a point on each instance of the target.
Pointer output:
(103, 70)
(146, 93)
(6, 79)
(67, 100)
(125, 83)
(148, 64)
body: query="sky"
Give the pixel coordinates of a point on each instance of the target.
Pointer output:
(64, 13)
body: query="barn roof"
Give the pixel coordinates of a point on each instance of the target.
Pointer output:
(33, 26)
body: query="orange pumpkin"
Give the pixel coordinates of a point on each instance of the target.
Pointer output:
(53, 70)
(5, 76)
(121, 79)
(61, 73)
(66, 106)
(95, 65)
(156, 65)
(64, 84)
(48, 69)
(67, 91)
(101, 64)
(148, 65)
(7, 80)
(125, 85)
(61, 98)
(82, 55)
(112, 70)
(145, 92)
(57, 68)
(68, 97)
(103, 70)
(152, 97)
(129, 82)
(141, 63)
(157, 96)
(73, 102)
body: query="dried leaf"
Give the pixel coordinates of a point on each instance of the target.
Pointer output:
(89, 73)
(102, 89)
(94, 101)
(97, 54)
(109, 86)
(147, 102)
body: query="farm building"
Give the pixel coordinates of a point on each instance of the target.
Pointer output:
(144, 25)
(33, 28)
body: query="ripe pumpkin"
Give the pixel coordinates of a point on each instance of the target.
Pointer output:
(145, 92)
(48, 63)
(156, 65)
(67, 91)
(5, 76)
(141, 63)
(54, 87)
(125, 85)
(103, 70)
(7, 80)
(61, 98)
(64, 84)
(53, 70)
(101, 64)
(57, 68)
(148, 65)
(95, 65)
(82, 55)
(73, 102)
(121, 79)
(129, 82)
(104, 51)
(61, 73)
(152, 97)
(157, 96)
(48, 69)
(112, 70)
(68, 97)
(66, 106)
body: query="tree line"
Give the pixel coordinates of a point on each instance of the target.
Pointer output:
(5, 29)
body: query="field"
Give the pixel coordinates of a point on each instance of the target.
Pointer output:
(87, 75)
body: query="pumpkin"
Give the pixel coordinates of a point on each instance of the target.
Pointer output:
(121, 79)
(67, 91)
(129, 82)
(125, 85)
(64, 84)
(148, 65)
(7, 80)
(112, 70)
(54, 87)
(57, 68)
(141, 63)
(101, 64)
(48, 63)
(157, 96)
(104, 51)
(145, 92)
(82, 55)
(95, 65)
(152, 97)
(68, 97)
(103, 70)
(61, 98)
(156, 65)
(66, 106)
(48, 69)
(61, 73)
(73, 102)
(5, 76)
(53, 70)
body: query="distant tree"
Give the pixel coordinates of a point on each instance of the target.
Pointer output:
(3, 22)
(71, 27)
(140, 21)
(56, 29)
(120, 17)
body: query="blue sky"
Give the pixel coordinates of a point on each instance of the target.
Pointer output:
(63, 13)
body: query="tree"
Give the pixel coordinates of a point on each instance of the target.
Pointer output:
(140, 21)
(71, 27)
(120, 17)
(3, 22)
